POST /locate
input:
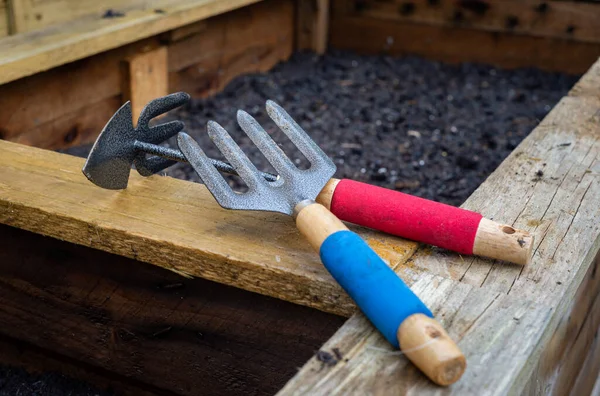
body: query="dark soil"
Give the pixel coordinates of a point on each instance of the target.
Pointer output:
(421, 127)
(17, 382)
(417, 126)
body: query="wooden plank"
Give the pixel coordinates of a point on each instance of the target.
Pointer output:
(521, 329)
(145, 77)
(568, 20)
(15, 353)
(246, 41)
(596, 390)
(73, 129)
(147, 326)
(312, 25)
(42, 99)
(457, 44)
(32, 15)
(4, 21)
(590, 372)
(29, 53)
(174, 224)
(69, 105)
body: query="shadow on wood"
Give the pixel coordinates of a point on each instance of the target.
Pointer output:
(149, 325)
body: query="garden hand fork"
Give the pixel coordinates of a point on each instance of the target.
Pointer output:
(377, 290)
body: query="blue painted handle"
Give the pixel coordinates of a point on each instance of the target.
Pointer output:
(380, 294)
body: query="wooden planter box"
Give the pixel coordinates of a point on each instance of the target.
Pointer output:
(156, 290)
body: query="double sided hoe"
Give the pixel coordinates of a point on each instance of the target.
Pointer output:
(120, 145)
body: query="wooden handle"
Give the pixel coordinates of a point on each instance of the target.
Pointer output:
(425, 343)
(503, 242)
(316, 223)
(426, 221)
(388, 303)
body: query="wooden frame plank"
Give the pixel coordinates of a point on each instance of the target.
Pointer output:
(522, 330)
(459, 44)
(312, 25)
(201, 60)
(33, 52)
(569, 20)
(222, 48)
(30, 15)
(145, 77)
(143, 327)
(174, 224)
(4, 19)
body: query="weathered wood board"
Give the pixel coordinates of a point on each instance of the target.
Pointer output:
(33, 52)
(3, 19)
(147, 326)
(252, 39)
(174, 224)
(376, 34)
(30, 15)
(524, 330)
(569, 20)
(312, 25)
(145, 77)
(86, 93)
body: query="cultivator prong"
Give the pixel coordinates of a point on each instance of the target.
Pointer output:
(298, 136)
(213, 180)
(261, 139)
(234, 154)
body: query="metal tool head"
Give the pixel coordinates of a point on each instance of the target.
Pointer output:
(114, 152)
(291, 187)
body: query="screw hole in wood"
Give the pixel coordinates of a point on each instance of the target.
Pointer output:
(508, 230)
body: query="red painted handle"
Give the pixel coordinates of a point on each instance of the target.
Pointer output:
(406, 216)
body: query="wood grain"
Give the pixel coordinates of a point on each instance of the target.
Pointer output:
(43, 99)
(4, 21)
(242, 41)
(459, 44)
(176, 225)
(72, 129)
(569, 20)
(312, 25)
(200, 62)
(30, 15)
(33, 52)
(145, 327)
(15, 353)
(523, 330)
(145, 77)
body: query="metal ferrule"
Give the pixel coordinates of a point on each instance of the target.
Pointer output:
(301, 205)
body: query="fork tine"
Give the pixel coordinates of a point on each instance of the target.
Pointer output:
(274, 154)
(213, 180)
(234, 154)
(162, 132)
(297, 135)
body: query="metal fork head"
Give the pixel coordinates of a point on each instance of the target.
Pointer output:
(292, 186)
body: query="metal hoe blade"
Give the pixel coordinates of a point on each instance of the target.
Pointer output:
(120, 145)
(292, 186)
